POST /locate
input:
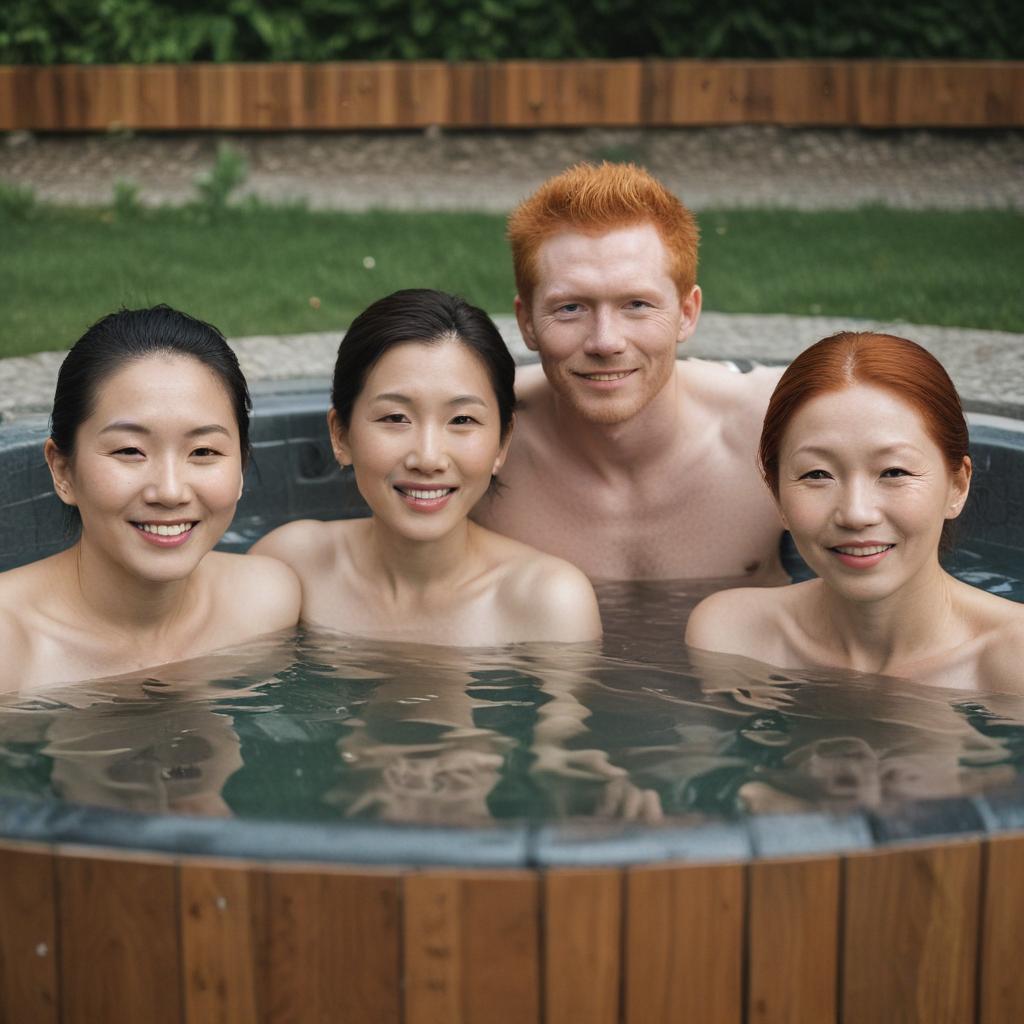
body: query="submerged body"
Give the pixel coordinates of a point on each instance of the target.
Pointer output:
(148, 446)
(865, 450)
(417, 414)
(627, 462)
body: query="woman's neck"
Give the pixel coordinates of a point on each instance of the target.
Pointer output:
(120, 603)
(411, 569)
(901, 629)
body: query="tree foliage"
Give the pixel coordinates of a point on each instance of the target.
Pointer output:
(148, 31)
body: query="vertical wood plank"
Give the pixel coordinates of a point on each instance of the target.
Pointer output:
(582, 946)
(1002, 980)
(333, 952)
(119, 959)
(222, 939)
(472, 948)
(684, 944)
(28, 937)
(911, 935)
(793, 941)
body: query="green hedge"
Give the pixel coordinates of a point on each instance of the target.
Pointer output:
(146, 31)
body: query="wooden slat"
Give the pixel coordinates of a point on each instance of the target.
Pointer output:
(582, 946)
(119, 957)
(793, 941)
(1002, 980)
(471, 948)
(911, 935)
(684, 939)
(509, 94)
(223, 917)
(334, 947)
(28, 937)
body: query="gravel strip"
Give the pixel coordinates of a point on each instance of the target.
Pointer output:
(747, 165)
(986, 366)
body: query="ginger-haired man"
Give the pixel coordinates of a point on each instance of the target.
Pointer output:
(627, 461)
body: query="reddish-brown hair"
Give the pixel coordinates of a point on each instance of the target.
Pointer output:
(881, 360)
(596, 199)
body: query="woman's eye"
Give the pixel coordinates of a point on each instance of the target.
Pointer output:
(394, 417)
(205, 453)
(816, 474)
(463, 421)
(128, 450)
(894, 471)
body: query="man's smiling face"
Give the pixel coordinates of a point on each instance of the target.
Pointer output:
(605, 317)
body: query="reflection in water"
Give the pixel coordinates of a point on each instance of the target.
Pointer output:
(327, 727)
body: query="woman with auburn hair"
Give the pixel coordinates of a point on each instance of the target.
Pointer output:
(865, 450)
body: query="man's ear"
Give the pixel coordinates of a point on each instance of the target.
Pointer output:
(689, 309)
(525, 324)
(339, 439)
(60, 470)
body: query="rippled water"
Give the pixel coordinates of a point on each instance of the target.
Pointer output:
(323, 727)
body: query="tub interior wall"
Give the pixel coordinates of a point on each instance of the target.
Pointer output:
(293, 475)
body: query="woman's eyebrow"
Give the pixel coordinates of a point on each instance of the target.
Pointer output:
(138, 428)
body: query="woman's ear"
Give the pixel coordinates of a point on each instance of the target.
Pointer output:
(959, 488)
(499, 459)
(60, 470)
(339, 439)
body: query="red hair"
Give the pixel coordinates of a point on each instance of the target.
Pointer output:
(901, 366)
(594, 200)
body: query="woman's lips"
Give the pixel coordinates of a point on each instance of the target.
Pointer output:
(166, 535)
(861, 556)
(425, 499)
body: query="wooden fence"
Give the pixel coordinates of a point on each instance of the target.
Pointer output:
(510, 94)
(920, 935)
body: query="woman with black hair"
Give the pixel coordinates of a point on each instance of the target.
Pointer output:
(422, 409)
(149, 438)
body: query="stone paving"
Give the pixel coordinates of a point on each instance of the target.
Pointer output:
(986, 366)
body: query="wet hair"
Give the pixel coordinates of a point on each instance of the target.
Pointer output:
(595, 199)
(427, 317)
(898, 365)
(130, 334)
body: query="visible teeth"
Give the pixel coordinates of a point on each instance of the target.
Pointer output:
(427, 495)
(606, 376)
(875, 550)
(170, 530)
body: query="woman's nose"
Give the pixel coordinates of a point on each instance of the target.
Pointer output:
(168, 485)
(427, 453)
(857, 506)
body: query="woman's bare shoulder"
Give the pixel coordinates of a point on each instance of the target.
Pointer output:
(550, 598)
(1001, 663)
(303, 543)
(262, 592)
(15, 634)
(737, 621)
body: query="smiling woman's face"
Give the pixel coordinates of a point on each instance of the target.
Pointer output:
(424, 438)
(865, 490)
(157, 469)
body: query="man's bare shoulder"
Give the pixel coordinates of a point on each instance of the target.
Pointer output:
(738, 400)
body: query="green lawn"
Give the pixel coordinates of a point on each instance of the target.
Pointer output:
(255, 270)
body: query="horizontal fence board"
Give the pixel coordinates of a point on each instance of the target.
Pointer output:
(28, 938)
(510, 94)
(911, 935)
